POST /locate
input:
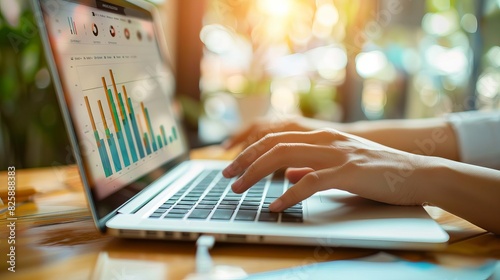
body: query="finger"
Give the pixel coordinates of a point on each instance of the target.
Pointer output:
(260, 129)
(309, 184)
(285, 155)
(256, 150)
(295, 174)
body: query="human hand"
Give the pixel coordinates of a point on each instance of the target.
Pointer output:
(325, 159)
(261, 128)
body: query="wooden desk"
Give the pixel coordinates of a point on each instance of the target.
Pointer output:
(60, 241)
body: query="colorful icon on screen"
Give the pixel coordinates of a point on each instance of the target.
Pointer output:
(127, 33)
(112, 31)
(95, 30)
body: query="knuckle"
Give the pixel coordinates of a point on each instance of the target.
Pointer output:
(251, 169)
(311, 179)
(293, 196)
(329, 134)
(269, 139)
(281, 148)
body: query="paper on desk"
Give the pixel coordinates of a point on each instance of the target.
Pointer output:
(381, 266)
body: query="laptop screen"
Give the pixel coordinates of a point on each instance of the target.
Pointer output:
(116, 87)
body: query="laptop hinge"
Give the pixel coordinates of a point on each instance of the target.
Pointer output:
(153, 190)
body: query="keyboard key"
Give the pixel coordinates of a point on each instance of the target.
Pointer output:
(178, 211)
(202, 206)
(182, 202)
(183, 207)
(212, 196)
(252, 199)
(258, 195)
(250, 203)
(229, 202)
(245, 207)
(227, 207)
(208, 202)
(265, 210)
(269, 199)
(199, 214)
(269, 217)
(222, 214)
(291, 218)
(245, 215)
(174, 216)
(155, 215)
(275, 190)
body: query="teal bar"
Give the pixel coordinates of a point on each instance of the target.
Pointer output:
(103, 155)
(119, 134)
(128, 132)
(105, 160)
(113, 150)
(174, 133)
(146, 139)
(123, 148)
(165, 143)
(140, 146)
(159, 141)
(153, 140)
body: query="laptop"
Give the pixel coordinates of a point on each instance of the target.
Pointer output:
(115, 88)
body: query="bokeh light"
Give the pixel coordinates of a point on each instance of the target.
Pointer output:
(11, 10)
(373, 99)
(369, 64)
(440, 24)
(217, 38)
(277, 8)
(469, 23)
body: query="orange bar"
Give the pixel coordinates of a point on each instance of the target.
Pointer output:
(116, 94)
(102, 115)
(146, 118)
(141, 130)
(126, 99)
(90, 113)
(105, 85)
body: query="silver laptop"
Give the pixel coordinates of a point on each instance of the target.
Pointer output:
(115, 87)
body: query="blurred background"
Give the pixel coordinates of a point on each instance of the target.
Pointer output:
(238, 60)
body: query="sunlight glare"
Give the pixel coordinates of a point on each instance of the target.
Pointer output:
(275, 7)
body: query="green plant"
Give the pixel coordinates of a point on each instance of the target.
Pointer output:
(31, 130)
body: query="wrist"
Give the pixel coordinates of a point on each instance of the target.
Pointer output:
(433, 177)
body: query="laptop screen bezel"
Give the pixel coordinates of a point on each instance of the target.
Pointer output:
(105, 209)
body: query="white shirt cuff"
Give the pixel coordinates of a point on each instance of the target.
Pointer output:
(478, 136)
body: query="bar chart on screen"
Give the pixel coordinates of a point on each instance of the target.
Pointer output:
(126, 130)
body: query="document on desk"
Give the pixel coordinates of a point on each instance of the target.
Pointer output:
(386, 266)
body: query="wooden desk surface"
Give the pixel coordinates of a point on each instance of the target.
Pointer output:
(56, 239)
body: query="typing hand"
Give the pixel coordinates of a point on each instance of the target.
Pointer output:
(325, 159)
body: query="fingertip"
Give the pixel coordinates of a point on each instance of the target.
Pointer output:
(228, 144)
(276, 206)
(226, 174)
(236, 187)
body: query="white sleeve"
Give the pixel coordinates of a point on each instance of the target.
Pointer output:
(478, 137)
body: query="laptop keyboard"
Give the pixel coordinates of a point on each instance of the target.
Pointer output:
(209, 197)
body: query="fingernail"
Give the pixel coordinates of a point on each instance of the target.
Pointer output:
(228, 171)
(276, 205)
(237, 185)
